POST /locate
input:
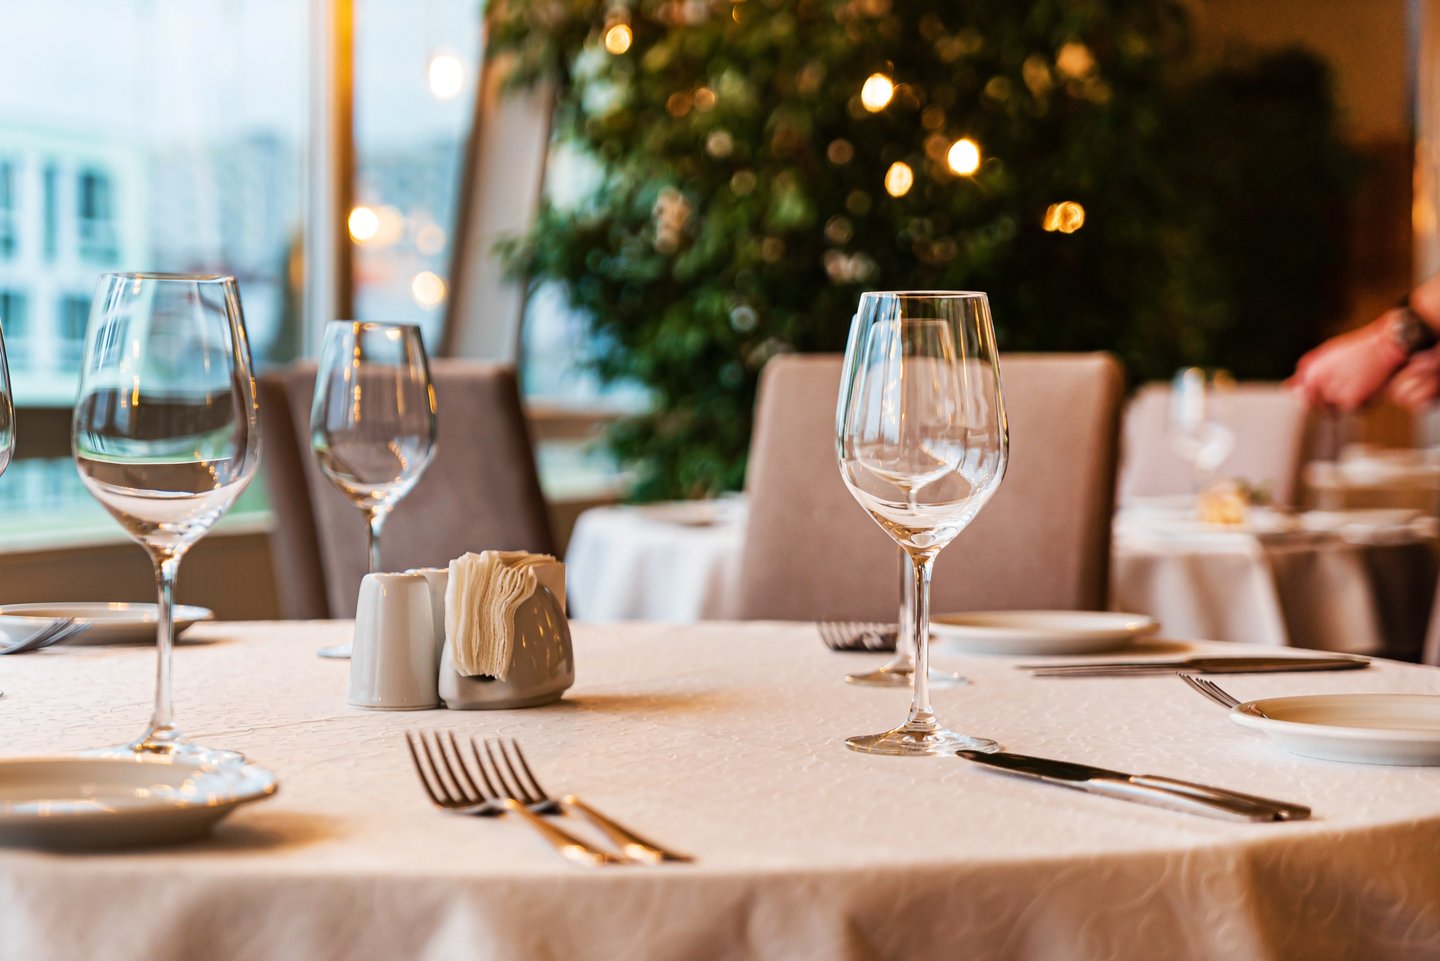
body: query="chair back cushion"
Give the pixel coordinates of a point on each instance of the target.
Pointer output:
(1267, 420)
(480, 492)
(1043, 542)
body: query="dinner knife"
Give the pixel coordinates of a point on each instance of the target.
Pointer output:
(1163, 792)
(1199, 665)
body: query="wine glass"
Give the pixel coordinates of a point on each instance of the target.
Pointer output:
(1194, 428)
(165, 436)
(372, 426)
(896, 671)
(922, 442)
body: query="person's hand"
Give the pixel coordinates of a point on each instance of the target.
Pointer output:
(1418, 383)
(1348, 370)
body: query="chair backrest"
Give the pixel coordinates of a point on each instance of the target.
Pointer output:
(480, 492)
(1043, 542)
(1269, 424)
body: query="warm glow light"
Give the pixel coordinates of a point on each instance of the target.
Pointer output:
(1066, 217)
(964, 157)
(446, 74)
(364, 224)
(899, 179)
(877, 92)
(427, 288)
(430, 240)
(618, 38)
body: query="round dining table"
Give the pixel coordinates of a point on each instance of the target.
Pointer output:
(725, 740)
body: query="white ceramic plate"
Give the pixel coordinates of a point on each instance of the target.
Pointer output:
(97, 802)
(112, 623)
(1366, 728)
(1040, 632)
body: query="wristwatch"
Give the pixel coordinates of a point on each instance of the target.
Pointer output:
(1411, 333)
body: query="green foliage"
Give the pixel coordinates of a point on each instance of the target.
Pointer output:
(741, 205)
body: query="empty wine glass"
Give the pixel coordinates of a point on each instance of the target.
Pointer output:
(1195, 429)
(165, 436)
(922, 442)
(372, 426)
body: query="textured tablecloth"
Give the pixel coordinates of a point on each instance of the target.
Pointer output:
(671, 562)
(724, 740)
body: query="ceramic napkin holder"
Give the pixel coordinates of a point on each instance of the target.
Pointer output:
(542, 665)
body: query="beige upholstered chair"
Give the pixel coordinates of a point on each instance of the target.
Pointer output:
(1043, 542)
(480, 492)
(1269, 424)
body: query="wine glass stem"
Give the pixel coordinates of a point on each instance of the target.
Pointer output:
(162, 723)
(922, 718)
(376, 521)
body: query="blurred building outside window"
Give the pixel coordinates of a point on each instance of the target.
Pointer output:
(165, 135)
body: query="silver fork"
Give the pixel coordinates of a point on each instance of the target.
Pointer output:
(857, 635)
(525, 787)
(1213, 691)
(447, 779)
(52, 633)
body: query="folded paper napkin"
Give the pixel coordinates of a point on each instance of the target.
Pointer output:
(481, 597)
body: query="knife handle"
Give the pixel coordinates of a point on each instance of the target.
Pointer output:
(1284, 809)
(1229, 809)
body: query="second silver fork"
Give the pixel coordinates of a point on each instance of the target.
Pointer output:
(522, 784)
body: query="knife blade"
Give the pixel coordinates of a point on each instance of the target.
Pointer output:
(1169, 793)
(1199, 665)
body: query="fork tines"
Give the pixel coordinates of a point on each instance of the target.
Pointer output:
(857, 635)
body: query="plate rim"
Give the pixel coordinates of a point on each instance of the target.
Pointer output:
(189, 613)
(268, 787)
(1248, 715)
(1146, 625)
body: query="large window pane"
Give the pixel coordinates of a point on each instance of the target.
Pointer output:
(140, 135)
(415, 69)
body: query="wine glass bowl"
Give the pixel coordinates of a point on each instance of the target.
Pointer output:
(372, 422)
(165, 434)
(922, 442)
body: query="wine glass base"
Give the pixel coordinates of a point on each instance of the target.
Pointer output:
(904, 677)
(338, 652)
(182, 751)
(909, 742)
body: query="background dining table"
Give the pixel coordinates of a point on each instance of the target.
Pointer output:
(725, 740)
(1363, 592)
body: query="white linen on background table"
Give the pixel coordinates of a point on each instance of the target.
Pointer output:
(1317, 592)
(724, 740)
(629, 563)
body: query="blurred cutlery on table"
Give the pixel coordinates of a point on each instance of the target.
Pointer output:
(27, 634)
(1199, 665)
(857, 635)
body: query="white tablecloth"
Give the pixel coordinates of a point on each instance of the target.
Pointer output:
(724, 740)
(671, 562)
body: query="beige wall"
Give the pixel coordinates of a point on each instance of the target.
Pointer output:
(1364, 40)
(1365, 43)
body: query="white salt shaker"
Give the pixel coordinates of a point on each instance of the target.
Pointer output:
(395, 661)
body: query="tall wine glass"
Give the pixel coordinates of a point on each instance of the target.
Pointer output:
(7, 414)
(922, 442)
(165, 436)
(1195, 427)
(372, 426)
